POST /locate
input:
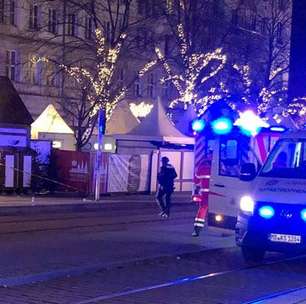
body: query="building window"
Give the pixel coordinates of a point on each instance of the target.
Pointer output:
(107, 31)
(12, 12)
(166, 46)
(121, 78)
(252, 21)
(35, 70)
(141, 7)
(52, 21)
(149, 8)
(88, 28)
(2, 14)
(234, 17)
(71, 30)
(169, 6)
(166, 90)
(279, 32)
(33, 18)
(137, 90)
(264, 26)
(281, 5)
(51, 75)
(146, 7)
(150, 87)
(11, 65)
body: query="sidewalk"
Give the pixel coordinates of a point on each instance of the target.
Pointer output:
(27, 203)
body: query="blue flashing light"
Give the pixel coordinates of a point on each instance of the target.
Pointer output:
(252, 131)
(278, 129)
(266, 212)
(198, 125)
(222, 126)
(303, 215)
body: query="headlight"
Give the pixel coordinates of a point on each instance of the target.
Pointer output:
(247, 204)
(303, 215)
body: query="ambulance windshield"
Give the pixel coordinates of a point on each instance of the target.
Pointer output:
(286, 160)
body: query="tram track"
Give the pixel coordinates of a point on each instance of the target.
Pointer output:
(191, 279)
(108, 217)
(63, 224)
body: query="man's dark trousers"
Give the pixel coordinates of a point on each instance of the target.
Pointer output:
(164, 200)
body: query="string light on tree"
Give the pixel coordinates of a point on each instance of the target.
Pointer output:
(186, 82)
(141, 110)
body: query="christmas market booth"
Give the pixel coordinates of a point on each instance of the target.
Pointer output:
(16, 157)
(134, 166)
(49, 125)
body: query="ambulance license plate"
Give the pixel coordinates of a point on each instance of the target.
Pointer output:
(285, 238)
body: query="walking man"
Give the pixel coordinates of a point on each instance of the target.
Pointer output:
(165, 178)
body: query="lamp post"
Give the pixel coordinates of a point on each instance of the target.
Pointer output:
(101, 132)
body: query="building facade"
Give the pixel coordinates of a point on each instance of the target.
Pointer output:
(30, 30)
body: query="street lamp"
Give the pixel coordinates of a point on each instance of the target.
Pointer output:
(101, 132)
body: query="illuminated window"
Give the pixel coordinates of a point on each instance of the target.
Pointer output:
(34, 70)
(169, 6)
(51, 74)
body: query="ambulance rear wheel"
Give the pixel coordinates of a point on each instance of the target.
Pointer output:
(251, 254)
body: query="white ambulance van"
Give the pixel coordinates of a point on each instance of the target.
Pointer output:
(272, 214)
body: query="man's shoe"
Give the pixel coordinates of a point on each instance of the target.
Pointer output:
(165, 215)
(161, 213)
(195, 234)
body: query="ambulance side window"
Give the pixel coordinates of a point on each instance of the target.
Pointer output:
(229, 159)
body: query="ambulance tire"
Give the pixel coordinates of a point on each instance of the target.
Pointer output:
(251, 254)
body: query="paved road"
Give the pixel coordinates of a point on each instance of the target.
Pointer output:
(124, 253)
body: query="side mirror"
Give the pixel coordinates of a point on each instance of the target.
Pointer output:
(247, 172)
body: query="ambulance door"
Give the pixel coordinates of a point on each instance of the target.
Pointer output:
(225, 185)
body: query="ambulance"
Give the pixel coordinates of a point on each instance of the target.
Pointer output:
(228, 149)
(272, 214)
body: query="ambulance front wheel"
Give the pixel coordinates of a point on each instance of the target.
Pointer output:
(251, 254)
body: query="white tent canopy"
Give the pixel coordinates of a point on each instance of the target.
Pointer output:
(49, 121)
(122, 120)
(158, 127)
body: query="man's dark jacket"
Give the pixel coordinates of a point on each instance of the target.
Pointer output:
(166, 177)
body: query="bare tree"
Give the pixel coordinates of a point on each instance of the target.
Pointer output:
(191, 64)
(92, 43)
(259, 54)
